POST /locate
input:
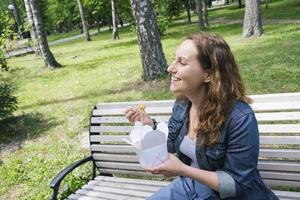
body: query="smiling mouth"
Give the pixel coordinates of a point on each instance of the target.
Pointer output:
(173, 78)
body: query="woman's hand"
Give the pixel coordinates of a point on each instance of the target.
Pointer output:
(133, 115)
(172, 167)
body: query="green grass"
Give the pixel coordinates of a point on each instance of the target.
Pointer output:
(54, 105)
(278, 9)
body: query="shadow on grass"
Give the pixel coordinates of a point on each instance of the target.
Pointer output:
(180, 31)
(161, 86)
(16, 129)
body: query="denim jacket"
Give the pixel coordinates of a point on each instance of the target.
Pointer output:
(234, 158)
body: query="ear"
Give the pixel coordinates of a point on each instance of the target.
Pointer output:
(207, 78)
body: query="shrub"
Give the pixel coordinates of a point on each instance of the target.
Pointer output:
(8, 102)
(3, 62)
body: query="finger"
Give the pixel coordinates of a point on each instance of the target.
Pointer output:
(136, 116)
(130, 115)
(129, 109)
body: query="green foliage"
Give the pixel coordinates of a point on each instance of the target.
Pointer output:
(6, 21)
(168, 8)
(75, 180)
(163, 26)
(5, 39)
(8, 102)
(165, 10)
(3, 62)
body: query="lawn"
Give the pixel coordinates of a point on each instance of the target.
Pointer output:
(278, 9)
(54, 105)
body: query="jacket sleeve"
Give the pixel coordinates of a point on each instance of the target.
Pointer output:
(238, 174)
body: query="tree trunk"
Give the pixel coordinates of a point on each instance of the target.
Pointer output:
(41, 36)
(267, 4)
(188, 8)
(240, 3)
(199, 9)
(252, 20)
(83, 21)
(33, 33)
(115, 33)
(153, 59)
(204, 7)
(17, 15)
(98, 24)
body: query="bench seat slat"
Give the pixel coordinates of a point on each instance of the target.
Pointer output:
(131, 181)
(106, 195)
(131, 186)
(133, 192)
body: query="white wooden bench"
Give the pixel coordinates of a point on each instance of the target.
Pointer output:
(279, 160)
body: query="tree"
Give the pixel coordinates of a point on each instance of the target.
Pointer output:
(17, 16)
(252, 19)
(199, 8)
(33, 33)
(187, 5)
(83, 21)
(204, 12)
(152, 55)
(41, 35)
(267, 4)
(115, 33)
(240, 3)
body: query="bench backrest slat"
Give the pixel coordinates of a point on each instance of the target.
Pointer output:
(263, 139)
(278, 116)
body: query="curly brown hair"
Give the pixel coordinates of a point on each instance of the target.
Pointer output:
(225, 85)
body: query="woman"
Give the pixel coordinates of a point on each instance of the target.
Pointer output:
(212, 130)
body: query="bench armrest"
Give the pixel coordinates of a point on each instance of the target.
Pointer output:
(55, 183)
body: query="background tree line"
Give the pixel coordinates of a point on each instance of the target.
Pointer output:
(150, 17)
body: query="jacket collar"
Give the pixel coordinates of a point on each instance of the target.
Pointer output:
(183, 109)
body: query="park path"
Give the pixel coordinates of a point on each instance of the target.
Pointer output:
(265, 21)
(24, 51)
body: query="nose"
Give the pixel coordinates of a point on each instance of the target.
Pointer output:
(172, 68)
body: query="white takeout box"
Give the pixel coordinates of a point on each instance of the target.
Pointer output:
(150, 145)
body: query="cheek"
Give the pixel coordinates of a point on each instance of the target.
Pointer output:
(195, 79)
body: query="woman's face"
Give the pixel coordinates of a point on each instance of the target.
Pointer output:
(187, 74)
